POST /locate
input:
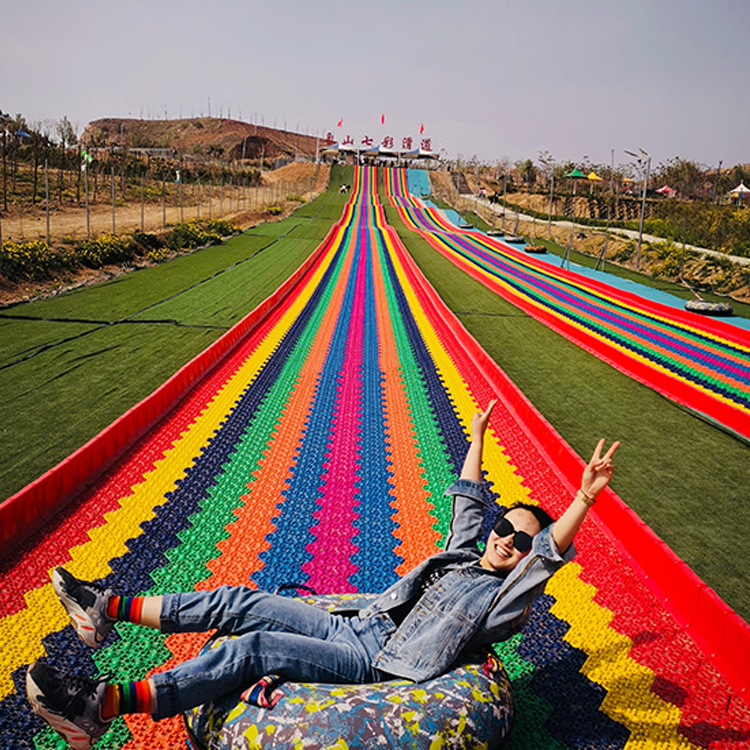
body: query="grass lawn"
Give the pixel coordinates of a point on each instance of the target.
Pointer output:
(687, 479)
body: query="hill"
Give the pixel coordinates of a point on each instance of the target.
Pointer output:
(200, 135)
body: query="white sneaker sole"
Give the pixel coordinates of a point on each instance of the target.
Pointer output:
(82, 623)
(71, 733)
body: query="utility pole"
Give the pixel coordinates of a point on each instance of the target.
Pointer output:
(476, 200)
(4, 119)
(547, 160)
(716, 186)
(603, 255)
(46, 197)
(179, 186)
(643, 212)
(86, 191)
(551, 198)
(112, 182)
(644, 158)
(505, 192)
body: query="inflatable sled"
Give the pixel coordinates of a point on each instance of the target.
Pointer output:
(469, 707)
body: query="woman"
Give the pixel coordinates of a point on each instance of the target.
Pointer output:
(457, 600)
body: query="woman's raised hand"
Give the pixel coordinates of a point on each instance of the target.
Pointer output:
(597, 474)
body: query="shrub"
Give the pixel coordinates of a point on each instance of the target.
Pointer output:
(670, 256)
(26, 261)
(100, 251)
(148, 242)
(34, 261)
(192, 234)
(724, 228)
(627, 251)
(274, 210)
(157, 254)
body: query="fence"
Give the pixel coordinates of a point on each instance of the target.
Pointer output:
(120, 204)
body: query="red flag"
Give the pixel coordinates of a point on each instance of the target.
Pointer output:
(382, 119)
(340, 123)
(421, 129)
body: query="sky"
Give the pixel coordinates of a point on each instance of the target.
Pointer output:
(498, 79)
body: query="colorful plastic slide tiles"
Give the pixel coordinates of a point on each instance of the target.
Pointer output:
(701, 363)
(317, 451)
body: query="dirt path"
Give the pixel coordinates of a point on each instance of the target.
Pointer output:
(304, 180)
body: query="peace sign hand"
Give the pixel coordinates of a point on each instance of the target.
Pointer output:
(599, 471)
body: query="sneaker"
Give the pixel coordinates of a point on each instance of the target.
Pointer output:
(71, 705)
(86, 603)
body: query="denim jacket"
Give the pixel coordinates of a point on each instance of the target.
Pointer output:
(469, 607)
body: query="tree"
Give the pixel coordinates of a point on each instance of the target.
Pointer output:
(17, 126)
(38, 142)
(740, 173)
(66, 132)
(502, 167)
(527, 171)
(685, 176)
(548, 165)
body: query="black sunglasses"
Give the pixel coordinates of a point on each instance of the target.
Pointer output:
(521, 540)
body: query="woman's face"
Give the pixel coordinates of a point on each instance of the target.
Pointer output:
(500, 555)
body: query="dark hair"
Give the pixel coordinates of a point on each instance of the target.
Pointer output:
(543, 518)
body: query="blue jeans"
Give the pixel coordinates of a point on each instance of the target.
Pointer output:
(277, 635)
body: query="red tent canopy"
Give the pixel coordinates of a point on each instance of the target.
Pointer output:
(668, 191)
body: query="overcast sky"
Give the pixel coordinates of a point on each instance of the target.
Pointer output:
(497, 78)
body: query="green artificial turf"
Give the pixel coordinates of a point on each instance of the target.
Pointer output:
(687, 479)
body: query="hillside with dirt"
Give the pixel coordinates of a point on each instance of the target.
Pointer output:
(200, 136)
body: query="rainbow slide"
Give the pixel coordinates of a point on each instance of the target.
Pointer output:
(700, 363)
(313, 442)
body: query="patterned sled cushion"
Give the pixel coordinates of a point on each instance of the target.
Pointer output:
(469, 707)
